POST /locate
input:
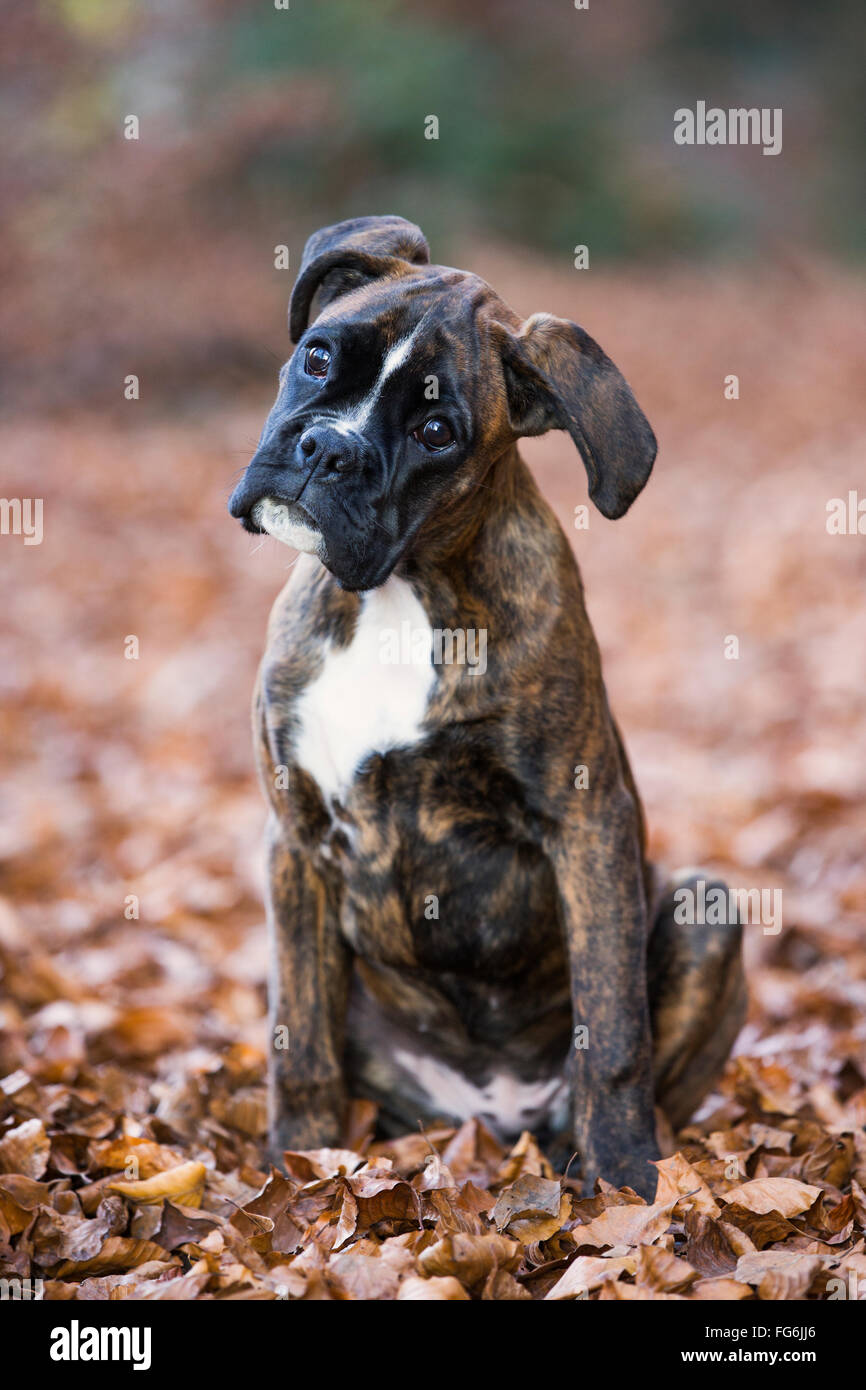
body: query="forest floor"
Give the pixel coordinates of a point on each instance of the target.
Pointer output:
(131, 926)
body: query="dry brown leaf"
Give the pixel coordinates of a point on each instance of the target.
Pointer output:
(501, 1286)
(661, 1271)
(382, 1196)
(182, 1288)
(434, 1176)
(25, 1149)
(678, 1182)
(790, 1282)
(777, 1271)
(457, 1212)
(630, 1293)
(144, 1155)
(347, 1223)
(183, 1185)
(118, 1253)
(525, 1158)
(19, 1197)
(410, 1152)
(113, 1287)
(246, 1110)
(708, 1248)
(364, 1276)
(588, 1272)
(532, 1208)
(182, 1225)
(148, 1031)
(274, 1202)
(787, 1196)
(306, 1165)
(440, 1289)
(720, 1290)
(474, 1154)
(625, 1225)
(762, 1228)
(469, 1258)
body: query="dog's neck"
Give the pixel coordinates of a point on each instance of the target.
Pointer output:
(455, 537)
(484, 549)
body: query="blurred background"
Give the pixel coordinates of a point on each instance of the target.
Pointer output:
(258, 124)
(131, 922)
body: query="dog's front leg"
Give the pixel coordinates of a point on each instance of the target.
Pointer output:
(308, 992)
(601, 894)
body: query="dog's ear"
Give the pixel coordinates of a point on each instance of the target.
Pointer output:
(558, 378)
(340, 258)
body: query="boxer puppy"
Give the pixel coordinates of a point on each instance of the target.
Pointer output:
(460, 925)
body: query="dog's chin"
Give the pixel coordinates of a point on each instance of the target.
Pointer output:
(289, 523)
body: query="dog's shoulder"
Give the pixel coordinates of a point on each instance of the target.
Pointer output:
(310, 614)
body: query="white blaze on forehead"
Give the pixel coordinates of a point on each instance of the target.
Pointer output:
(393, 360)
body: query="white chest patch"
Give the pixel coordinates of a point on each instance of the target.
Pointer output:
(363, 701)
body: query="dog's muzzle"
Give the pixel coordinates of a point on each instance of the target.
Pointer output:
(288, 522)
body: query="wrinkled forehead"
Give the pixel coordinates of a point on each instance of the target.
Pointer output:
(431, 313)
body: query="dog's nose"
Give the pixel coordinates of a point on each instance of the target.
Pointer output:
(241, 500)
(328, 449)
(253, 485)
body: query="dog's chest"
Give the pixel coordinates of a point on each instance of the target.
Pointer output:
(371, 695)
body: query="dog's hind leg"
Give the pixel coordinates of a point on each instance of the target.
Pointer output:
(697, 996)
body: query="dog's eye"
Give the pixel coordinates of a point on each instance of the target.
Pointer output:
(435, 433)
(317, 361)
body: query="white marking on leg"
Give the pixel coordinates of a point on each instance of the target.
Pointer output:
(508, 1102)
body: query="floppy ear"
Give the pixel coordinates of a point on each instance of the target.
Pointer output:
(340, 258)
(558, 378)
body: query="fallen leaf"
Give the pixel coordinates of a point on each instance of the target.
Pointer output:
(118, 1253)
(778, 1274)
(306, 1165)
(439, 1289)
(365, 1276)
(183, 1185)
(588, 1272)
(708, 1249)
(626, 1225)
(471, 1259)
(531, 1208)
(145, 1156)
(179, 1226)
(678, 1182)
(720, 1290)
(25, 1149)
(661, 1271)
(786, 1196)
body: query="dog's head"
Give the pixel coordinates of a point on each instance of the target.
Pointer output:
(407, 384)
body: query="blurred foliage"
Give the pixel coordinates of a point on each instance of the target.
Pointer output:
(554, 126)
(259, 124)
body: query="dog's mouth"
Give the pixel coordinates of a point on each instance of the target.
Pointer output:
(288, 522)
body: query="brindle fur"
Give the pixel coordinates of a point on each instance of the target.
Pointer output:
(543, 890)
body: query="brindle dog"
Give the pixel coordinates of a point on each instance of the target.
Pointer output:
(459, 925)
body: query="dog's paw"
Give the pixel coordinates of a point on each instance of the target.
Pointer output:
(634, 1170)
(298, 1132)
